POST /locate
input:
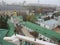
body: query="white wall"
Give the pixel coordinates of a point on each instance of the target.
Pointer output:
(44, 37)
(49, 26)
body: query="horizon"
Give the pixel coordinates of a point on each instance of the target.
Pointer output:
(52, 2)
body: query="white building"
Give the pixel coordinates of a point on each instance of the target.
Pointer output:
(39, 21)
(58, 20)
(50, 24)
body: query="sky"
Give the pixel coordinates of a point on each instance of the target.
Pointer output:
(54, 2)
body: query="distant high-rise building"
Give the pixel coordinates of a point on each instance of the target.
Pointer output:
(24, 2)
(3, 3)
(38, 1)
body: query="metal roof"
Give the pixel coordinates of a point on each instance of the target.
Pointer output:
(11, 28)
(3, 33)
(50, 22)
(47, 32)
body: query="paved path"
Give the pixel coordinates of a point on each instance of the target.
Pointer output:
(26, 32)
(23, 31)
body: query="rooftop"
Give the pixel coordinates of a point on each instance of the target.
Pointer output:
(47, 32)
(50, 22)
(57, 29)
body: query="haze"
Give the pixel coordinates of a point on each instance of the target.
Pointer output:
(54, 2)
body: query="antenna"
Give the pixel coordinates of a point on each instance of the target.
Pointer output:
(38, 1)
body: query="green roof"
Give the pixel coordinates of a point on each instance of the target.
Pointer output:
(18, 17)
(8, 32)
(11, 28)
(3, 33)
(47, 32)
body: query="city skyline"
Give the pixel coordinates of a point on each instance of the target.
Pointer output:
(52, 2)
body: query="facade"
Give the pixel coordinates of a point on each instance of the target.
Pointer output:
(58, 20)
(50, 24)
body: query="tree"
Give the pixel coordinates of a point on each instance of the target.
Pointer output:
(31, 18)
(17, 29)
(35, 34)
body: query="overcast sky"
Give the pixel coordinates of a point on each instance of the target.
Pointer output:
(55, 2)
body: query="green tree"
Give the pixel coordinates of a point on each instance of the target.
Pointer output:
(35, 34)
(31, 18)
